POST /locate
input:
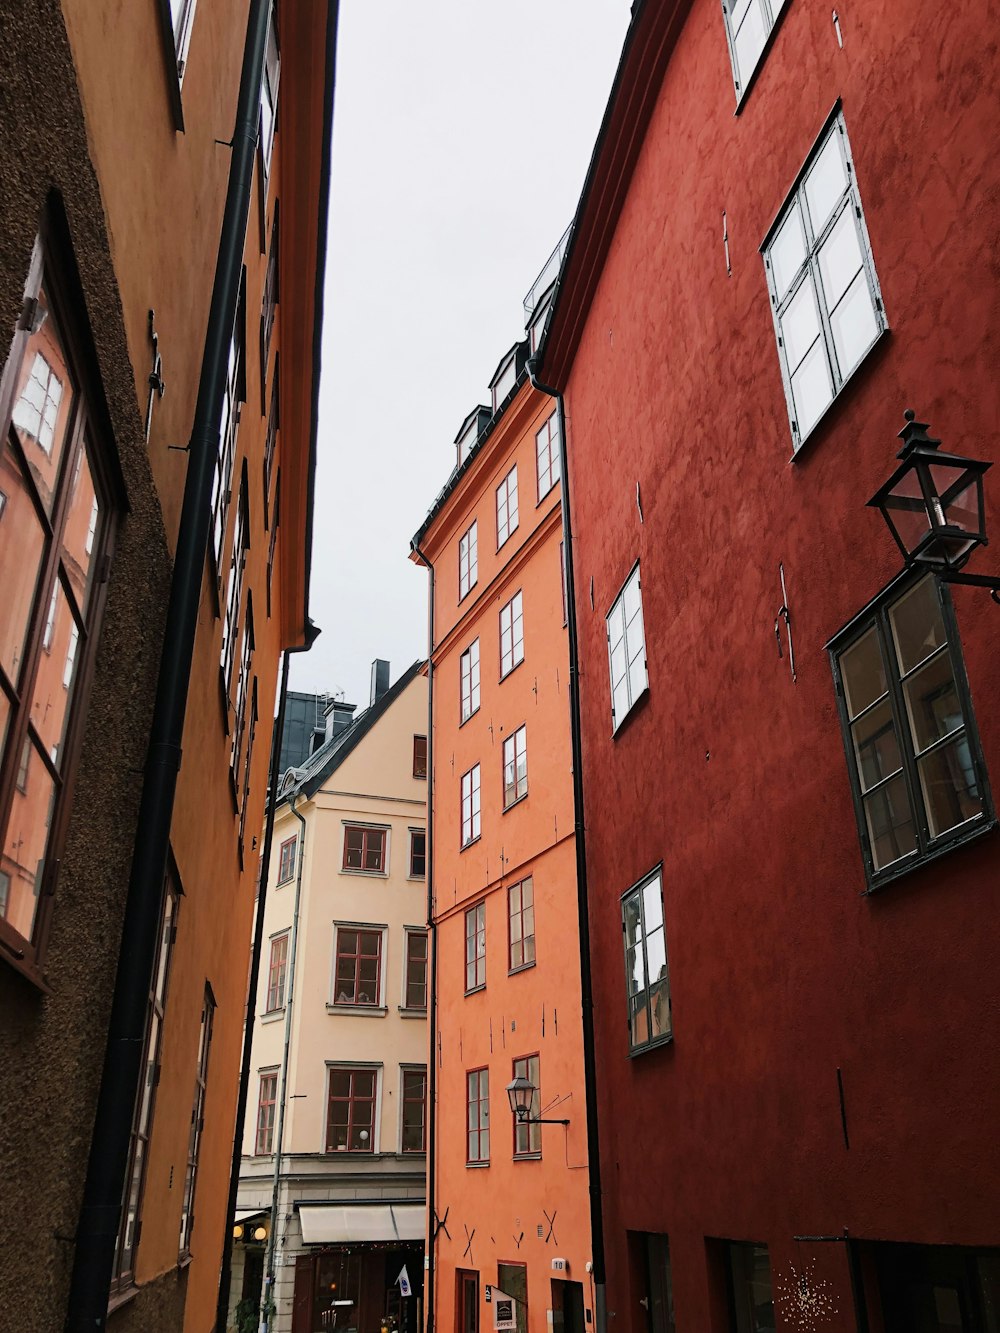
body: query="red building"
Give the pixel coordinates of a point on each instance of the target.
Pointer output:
(787, 237)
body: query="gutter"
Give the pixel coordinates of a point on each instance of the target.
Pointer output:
(586, 987)
(100, 1213)
(432, 980)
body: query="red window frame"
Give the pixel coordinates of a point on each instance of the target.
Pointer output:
(267, 1098)
(420, 756)
(528, 1138)
(517, 914)
(357, 957)
(418, 860)
(414, 1096)
(277, 969)
(286, 860)
(372, 846)
(360, 1108)
(415, 988)
(476, 1137)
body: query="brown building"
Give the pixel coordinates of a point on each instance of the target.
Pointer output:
(155, 532)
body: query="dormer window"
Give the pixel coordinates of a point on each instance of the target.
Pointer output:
(504, 380)
(537, 327)
(470, 430)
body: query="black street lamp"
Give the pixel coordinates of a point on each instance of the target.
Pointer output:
(521, 1093)
(933, 505)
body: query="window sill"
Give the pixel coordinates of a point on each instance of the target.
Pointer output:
(476, 1166)
(184, 1260)
(637, 703)
(410, 1013)
(524, 967)
(544, 497)
(416, 879)
(20, 956)
(476, 989)
(371, 874)
(352, 1152)
(527, 1157)
(516, 801)
(977, 829)
(510, 670)
(119, 1298)
(471, 843)
(654, 1045)
(272, 1015)
(358, 1010)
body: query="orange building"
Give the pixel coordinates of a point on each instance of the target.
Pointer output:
(155, 532)
(509, 1201)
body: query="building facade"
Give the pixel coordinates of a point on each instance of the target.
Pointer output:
(509, 1206)
(788, 741)
(132, 245)
(336, 1124)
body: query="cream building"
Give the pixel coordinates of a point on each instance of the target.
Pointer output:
(343, 982)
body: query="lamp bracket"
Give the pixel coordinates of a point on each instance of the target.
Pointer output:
(974, 581)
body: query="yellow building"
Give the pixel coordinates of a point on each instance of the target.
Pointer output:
(339, 1052)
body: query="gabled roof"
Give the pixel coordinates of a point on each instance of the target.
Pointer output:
(308, 779)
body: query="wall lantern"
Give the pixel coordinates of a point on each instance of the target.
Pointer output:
(238, 1232)
(260, 1232)
(933, 505)
(521, 1093)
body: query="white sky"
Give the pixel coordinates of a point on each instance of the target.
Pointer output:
(462, 134)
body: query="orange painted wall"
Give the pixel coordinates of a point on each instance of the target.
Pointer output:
(535, 1010)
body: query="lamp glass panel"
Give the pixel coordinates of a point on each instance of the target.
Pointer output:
(963, 510)
(905, 509)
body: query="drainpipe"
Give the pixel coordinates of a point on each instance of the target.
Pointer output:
(268, 1290)
(586, 987)
(432, 929)
(100, 1212)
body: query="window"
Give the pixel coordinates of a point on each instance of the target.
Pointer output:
(52, 474)
(197, 1124)
(135, 1176)
(626, 650)
(418, 853)
(511, 635)
(562, 574)
(547, 455)
(507, 506)
(751, 1303)
(244, 800)
(268, 306)
(358, 968)
(286, 860)
(821, 278)
(748, 26)
(181, 19)
(528, 1138)
(478, 1115)
(475, 948)
(276, 971)
(468, 560)
(234, 588)
(364, 849)
(420, 756)
(414, 1110)
(916, 767)
(521, 924)
(269, 99)
(515, 767)
(647, 980)
(242, 694)
(271, 440)
(273, 541)
(471, 827)
(350, 1120)
(469, 666)
(415, 996)
(235, 395)
(504, 380)
(266, 1099)
(513, 1279)
(659, 1299)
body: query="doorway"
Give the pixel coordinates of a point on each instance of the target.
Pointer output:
(467, 1300)
(938, 1288)
(567, 1307)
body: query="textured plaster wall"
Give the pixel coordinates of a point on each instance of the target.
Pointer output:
(731, 774)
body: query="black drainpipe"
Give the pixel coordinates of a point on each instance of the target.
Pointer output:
(97, 1231)
(586, 989)
(432, 929)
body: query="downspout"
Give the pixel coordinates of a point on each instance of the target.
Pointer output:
(432, 996)
(586, 987)
(100, 1212)
(268, 1289)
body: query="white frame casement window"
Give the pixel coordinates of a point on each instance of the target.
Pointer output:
(181, 20)
(627, 649)
(821, 279)
(647, 974)
(468, 559)
(511, 635)
(749, 24)
(469, 677)
(507, 515)
(475, 947)
(548, 464)
(515, 767)
(471, 805)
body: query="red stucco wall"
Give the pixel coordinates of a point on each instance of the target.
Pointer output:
(781, 971)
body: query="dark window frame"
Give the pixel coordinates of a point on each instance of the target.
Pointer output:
(286, 864)
(408, 961)
(416, 856)
(408, 1073)
(478, 930)
(513, 967)
(929, 847)
(636, 891)
(741, 1316)
(353, 1101)
(419, 764)
(197, 1125)
(369, 832)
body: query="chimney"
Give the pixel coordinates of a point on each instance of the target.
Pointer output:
(380, 679)
(338, 717)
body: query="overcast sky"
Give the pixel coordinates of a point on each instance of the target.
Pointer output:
(462, 130)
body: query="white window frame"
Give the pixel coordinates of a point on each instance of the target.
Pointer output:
(507, 511)
(552, 472)
(788, 292)
(633, 690)
(511, 634)
(181, 21)
(270, 80)
(737, 14)
(471, 802)
(468, 560)
(477, 962)
(640, 998)
(515, 760)
(469, 681)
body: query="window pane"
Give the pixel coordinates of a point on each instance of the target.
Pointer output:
(42, 407)
(51, 697)
(635, 969)
(639, 1019)
(4, 719)
(917, 625)
(854, 325)
(659, 1006)
(863, 673)
(840, 258)
(812, 388)
(787, 251)
(932, 701)
(891, 830)
(81, 535)
(749, 41)
(800, 324)
(948, 781)
(22, 546)
(652, 905)
(876, 747)
(26, 841)
(826, 183)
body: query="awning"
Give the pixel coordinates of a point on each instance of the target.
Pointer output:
(251, 1212)
(340, 1224)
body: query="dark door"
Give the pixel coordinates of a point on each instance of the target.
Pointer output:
(938, 1288)
(567, 1307)
(467, 1301)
